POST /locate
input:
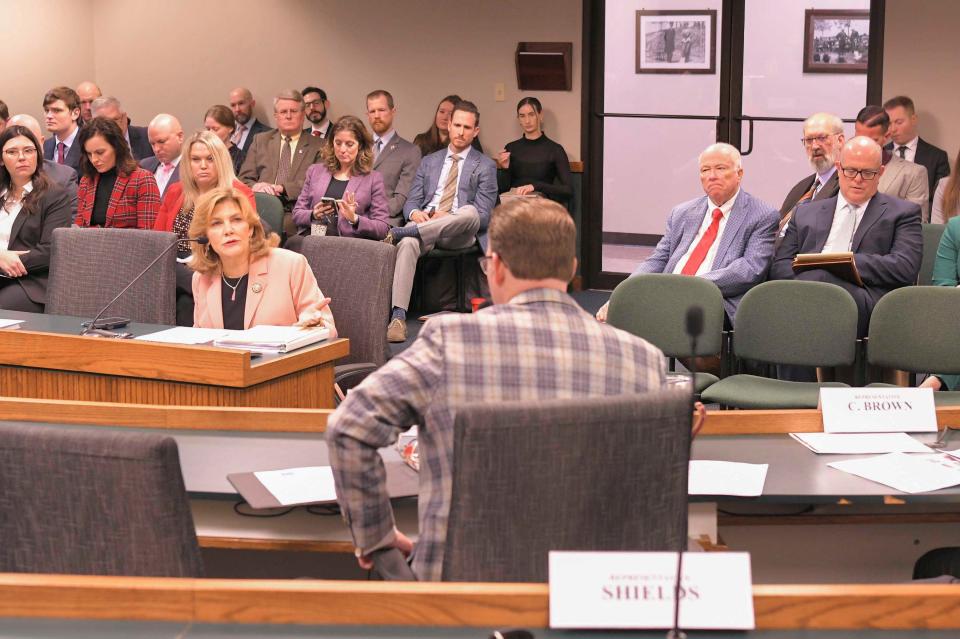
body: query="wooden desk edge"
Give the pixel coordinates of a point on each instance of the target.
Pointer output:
(892, 606)
(766, 422)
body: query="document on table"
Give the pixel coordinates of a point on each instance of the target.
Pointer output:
(860, 443)
(306, 485)
(906, 473)
(7, 323)
(726, 478)
(184, 335)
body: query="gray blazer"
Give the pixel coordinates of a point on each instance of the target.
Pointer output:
(743, 255)
(397, 163)
(907, 181)
(477, 186)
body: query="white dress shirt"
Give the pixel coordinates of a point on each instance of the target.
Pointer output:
(67, 143)
(8, 214)
(447, 163)
(163, 175)
(846, 218)
(707, 265)
(911, 153)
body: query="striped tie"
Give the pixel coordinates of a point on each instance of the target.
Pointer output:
(284, 167)
(450, 188)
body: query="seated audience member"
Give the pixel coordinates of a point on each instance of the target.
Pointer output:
(4, 115)
(114, 191)
(61, 174)
(344, 174)
(393, 157)
(437, 137)
(449, 203)
(242, 103)
(240, 262)
(315, 108)
(822, 140)
(535, 163)
(61, 109)
(727, 217)
(277, 161)
(946, 201)
(219, 120)
(88, 92)
(907, 144)
(498, 354)
(946, 272)
(901, 179)
(166, 140)
(206, 166)
(31, 206)
(882, 232)
(136, 136)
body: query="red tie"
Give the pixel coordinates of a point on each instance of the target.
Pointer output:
(699, 253)
(60, 147)
(316, 134)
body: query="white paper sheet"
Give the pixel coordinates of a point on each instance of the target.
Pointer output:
(726, 478)
(906, 473)
(299, 485)
(7, 323)
(184, 335)
(860, 443)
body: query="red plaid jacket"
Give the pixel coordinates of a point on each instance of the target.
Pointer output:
(134, 203)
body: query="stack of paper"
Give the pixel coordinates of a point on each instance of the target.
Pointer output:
(7, 323)
(908, 474)
(292, 486)
(184, 335)
(726, 478)
(860, 443)
(273, 339)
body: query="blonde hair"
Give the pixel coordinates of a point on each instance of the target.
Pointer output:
(205, 259)
(221, 159)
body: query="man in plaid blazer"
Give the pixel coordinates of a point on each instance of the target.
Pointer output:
(534, 344)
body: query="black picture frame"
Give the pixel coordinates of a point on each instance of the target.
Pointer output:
(839, 48)
(676, 41)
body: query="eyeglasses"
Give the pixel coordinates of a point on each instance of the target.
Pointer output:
(313, 104)
(485, 262)
(866, 174)
(820, 139)
(287, 113)
(27, 152)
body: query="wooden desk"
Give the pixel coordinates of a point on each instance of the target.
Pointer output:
(46, 358)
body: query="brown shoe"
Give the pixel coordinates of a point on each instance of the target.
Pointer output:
(397, 331)
(388, 240)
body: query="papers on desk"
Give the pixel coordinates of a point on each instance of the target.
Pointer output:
(726, 478)
(184, 335)
(906, 473)
(293, 486)
(7, 323)
(273, 339)
(859, 443)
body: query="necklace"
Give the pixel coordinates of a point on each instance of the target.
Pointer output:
(232, 287)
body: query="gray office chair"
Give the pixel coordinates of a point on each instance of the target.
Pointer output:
(88, 267)
(93, 502)
(932, 233)
(357, 275)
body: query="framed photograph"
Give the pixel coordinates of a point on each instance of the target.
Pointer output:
(836, 41)
(676, 41)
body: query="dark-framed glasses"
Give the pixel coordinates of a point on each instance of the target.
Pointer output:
(866, 174)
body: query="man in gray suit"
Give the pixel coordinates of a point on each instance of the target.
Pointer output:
(900, 178)
(62, 174)
(396, 159)
(136, 136)
(725, 236)
(450, 201)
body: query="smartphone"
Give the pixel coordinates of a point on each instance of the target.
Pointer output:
(108, 323)
(332, 201)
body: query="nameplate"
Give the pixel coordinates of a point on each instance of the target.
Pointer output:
(878, 410)
(625, 590)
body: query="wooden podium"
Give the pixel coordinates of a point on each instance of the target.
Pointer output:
(54, 365)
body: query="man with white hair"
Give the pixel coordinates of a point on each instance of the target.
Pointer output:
(62, 174)
(136, 136)
(725, 236)
(166, 140)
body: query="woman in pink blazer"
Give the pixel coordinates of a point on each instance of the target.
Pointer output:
(241, 278)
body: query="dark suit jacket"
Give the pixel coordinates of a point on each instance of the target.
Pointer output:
(34, 233)
(65, 177)
(830, 189)
(326, 133)
(73, 154)
(264, 157)
(397, 163)
(256, 127)
(139, 143)
(887, 245)
(151, 164)
(932, 157)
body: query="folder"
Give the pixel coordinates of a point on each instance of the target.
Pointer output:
(840, 264)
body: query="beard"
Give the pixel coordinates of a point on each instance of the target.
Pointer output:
(242, 118)
(316, 117)
(821, 163)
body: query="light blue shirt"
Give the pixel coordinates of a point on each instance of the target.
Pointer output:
(825, 177)
(447, 163)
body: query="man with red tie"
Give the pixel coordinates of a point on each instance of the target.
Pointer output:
(725, 237)
(315, 109)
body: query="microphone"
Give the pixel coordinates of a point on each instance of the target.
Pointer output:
(694, 327)
(92, 328)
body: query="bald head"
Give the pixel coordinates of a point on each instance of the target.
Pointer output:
(861, 147)
(28, 121)
(88, 92)
(166, 137)
(860, 168)
(242, 103)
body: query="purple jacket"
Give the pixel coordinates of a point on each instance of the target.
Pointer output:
(372, 209)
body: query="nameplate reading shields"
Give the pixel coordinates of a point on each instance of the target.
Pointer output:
(608, 590)
(878, 410)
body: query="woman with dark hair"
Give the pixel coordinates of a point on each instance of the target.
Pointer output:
(114, 191)
(535, 163)
(946, 199)
(31, 206)
(345, 174)
(436, 137)
(219, 120)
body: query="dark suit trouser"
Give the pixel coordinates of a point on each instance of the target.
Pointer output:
(184, 295)
(14, 298)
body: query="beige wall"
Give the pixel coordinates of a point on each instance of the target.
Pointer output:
(186, 55)
(921, 59)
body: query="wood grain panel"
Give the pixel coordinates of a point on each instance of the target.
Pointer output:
(290, 545)
(760, 422)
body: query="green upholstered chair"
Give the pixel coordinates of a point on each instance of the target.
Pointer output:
(917, 329)
(270, 209)
(788, 322)
(931, 241)
(654, 306)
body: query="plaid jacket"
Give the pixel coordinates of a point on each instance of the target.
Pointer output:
(541, 345)
(134, 202)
